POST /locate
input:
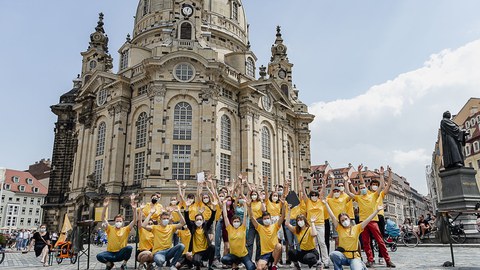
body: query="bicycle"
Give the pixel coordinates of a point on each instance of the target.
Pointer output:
(409, 238)
(457, 233)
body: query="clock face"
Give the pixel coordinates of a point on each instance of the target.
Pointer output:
(282, 74)
(187, 10)
(93, 64)
(267, 102)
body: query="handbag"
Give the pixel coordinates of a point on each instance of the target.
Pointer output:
(49, 245)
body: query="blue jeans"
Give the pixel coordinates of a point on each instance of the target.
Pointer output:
(165, 255)
(230, 259)
(339, 260)
(252, 237)
(218, 238)
(291, 239)
(123, 254)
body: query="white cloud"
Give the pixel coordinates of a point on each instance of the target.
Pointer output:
(384, 124)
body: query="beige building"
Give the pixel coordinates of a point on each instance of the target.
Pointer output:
(184, 99)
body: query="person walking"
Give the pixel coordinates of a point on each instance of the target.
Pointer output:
(41, 244)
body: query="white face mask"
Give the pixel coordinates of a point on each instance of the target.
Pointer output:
(274, 199)
(336, 194)
(254, 197)
(206, 200)
(173, 203)
(118, 224)
(314, 198)
(267, 222)
(262, 197)
(374, 188)
(346, 223)
(341, 188)
(198, 223)
(43, 230)
(221, 198)
(301, 223)
(236, 224)
(165, 222)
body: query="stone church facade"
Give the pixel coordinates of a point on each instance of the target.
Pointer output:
(185, 98)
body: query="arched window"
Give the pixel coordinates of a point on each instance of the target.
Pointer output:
(266, 143)
(182, 121)
(185, 31)
(102, 128)
(235, 11)
(225, 138)
(139, 167)
(145, 7)
(141, 138)
(250, 67)
(284, 88)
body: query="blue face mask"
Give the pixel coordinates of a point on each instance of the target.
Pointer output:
(363, 191)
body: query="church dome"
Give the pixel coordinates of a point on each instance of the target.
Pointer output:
(215, 17)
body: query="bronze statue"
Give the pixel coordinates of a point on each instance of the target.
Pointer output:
(453, 140)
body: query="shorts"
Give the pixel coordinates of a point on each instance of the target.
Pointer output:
(268, 257)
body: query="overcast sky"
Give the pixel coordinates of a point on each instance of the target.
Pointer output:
(377, 74)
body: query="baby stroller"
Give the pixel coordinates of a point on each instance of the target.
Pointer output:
(392, 234)
(65, 251)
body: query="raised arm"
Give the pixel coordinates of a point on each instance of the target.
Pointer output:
(225, 214)
(180, 193)
(287, 221)
(182, 220)
(331, 214)
(265, 185)
(106, 202)
(313, 230)
(147, 219)
(389, 180)
(332, 186)
(282, 215)
(134, 206)
(360, 175)
(348, 184)
(321, 193)
(374, 214)
(347, 190)
(382, 180)
(139, 215)
(302, 187)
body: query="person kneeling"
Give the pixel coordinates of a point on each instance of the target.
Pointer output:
(117, 249)
(305, 234)
(163, 239)
(237, 237)
(348, 240)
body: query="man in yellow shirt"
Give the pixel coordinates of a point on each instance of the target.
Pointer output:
(271, 249)
(154, 203)
(367, 203)
(117, 236)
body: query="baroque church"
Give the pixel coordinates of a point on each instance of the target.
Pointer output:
(185, 98)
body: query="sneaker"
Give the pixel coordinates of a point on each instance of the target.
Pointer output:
(109, 266)
(274, 267)
(391, 265)
(319, 266)
(381, 261)
(123, 266)
(296, 266)
(216, 264)
(369, 264)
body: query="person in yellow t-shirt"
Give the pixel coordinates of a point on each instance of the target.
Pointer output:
(314, 208)
(338, 203)
(154, 203)
(117, 236)
(270, 248)
(258, 207)
(347, 252)
(145, 242)
(185, 238)
(163, 239)
(201, 246)
(237, 237)
(305, 252)
(367, 203)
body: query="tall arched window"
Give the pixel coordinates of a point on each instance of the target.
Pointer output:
(185, 31)
(141, 138)
(284, 88)
(225, 136)
(182, 121)
(102, 128)
(235, 11)
(145, 7)
(266, 143)
(250, 67)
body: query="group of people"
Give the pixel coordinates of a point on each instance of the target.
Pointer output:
(190, 229)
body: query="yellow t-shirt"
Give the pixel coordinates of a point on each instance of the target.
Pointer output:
(199, 241)
(295, 211)
(349, 240)
(175, 214)
(339, 205)
(145, 239)
(325, 212)
(315, 210)
(238, 240)
(308, 242)
(117, 238)
(185, 237)
(367, 204)
(218, 213)
(207, 213)
(349, 206)
(268, 237)
(162, 237)
(158, 207)
(274, 209)
(380, 202)
(257, 209)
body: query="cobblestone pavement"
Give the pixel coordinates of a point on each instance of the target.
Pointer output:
(429, 258)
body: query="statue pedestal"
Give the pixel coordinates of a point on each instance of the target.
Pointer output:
(459, 189)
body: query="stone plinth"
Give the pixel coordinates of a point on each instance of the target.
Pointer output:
(459, 189)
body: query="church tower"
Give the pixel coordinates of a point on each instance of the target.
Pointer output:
(184, 99)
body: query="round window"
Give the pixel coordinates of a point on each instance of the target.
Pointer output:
(184, 72)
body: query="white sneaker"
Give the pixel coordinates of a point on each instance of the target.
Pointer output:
(381, 261)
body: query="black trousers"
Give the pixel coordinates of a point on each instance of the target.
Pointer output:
(205, 255)
(328, 233)
(309, 257)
